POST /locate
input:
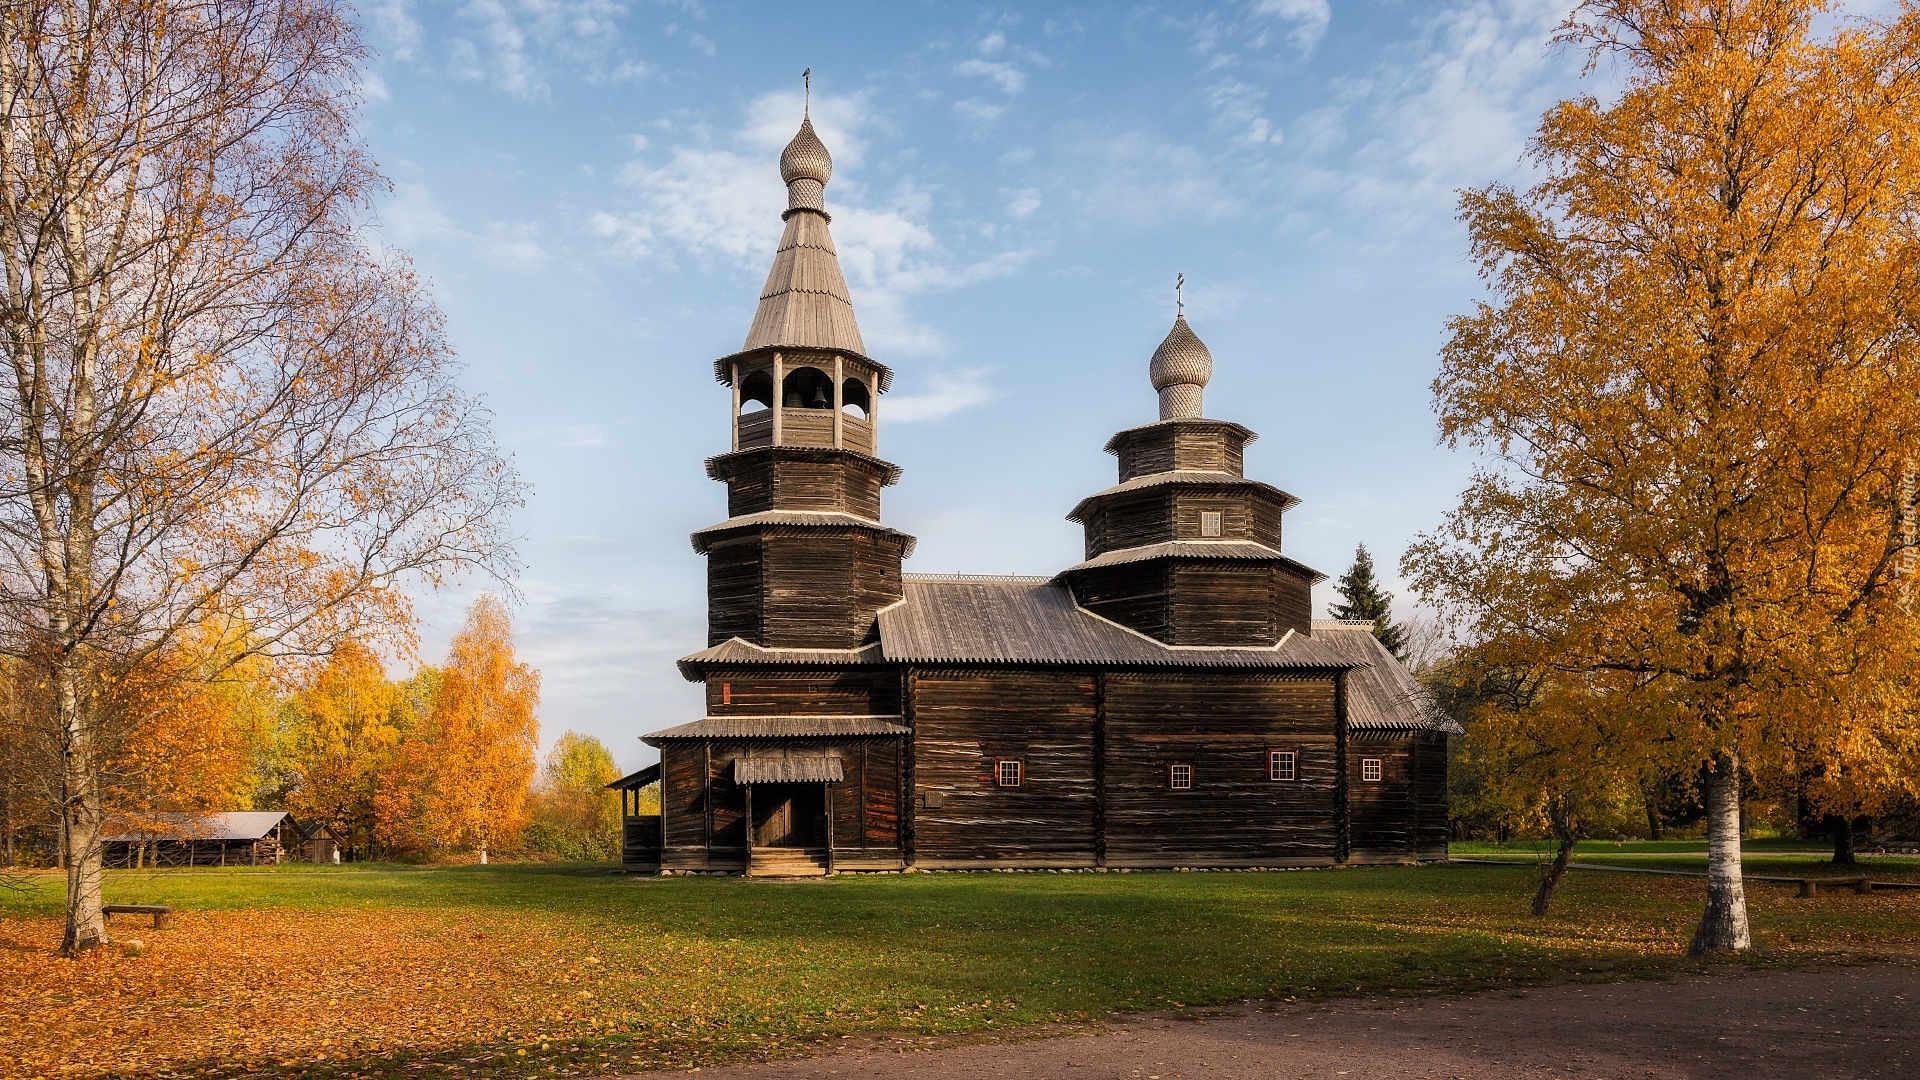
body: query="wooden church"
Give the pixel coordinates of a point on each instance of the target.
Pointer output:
(1169, 701)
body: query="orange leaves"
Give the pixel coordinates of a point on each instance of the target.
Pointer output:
(468, 766)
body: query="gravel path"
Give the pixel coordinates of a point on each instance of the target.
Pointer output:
(1824, 1022)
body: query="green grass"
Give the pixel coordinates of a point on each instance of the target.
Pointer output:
(693, 970)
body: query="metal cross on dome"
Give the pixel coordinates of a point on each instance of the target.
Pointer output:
(1179, 294)
(806, 92)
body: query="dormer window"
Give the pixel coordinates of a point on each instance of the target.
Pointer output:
(1209, 523)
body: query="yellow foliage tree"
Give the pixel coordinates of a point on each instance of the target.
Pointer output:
(475, 762)
(1696, 375)
(348, 728)
(573, 799)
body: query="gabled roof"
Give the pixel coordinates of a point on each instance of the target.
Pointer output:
(1026, 620)
(1381, 693)
(232, 825)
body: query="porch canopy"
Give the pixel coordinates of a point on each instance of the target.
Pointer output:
(787, 766)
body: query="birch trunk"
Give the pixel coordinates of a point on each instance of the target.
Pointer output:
(1724, 926)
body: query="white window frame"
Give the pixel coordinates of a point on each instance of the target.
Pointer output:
(1180, 776)
(1003, 767)
(1371, 770)
(1212, 523)
(1283, 765)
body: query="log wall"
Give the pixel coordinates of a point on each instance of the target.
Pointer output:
(1223, 725)
(801, 587)
(964, 721)
(790, 479)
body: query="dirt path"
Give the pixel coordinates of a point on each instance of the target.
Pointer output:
(1824, 1023)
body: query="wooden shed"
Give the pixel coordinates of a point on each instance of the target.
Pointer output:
(235, 838)
(1167, 701)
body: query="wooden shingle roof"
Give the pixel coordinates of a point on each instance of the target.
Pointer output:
(805, 302)
(1028, 620)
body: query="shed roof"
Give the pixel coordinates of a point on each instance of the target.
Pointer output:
(636, 780)
(784, 765)
(231, 825)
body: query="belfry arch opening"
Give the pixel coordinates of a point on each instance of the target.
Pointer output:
(756, 392)
(807, 388)
(855, 400)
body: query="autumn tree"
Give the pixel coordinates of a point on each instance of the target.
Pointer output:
(218, 402)
(1695, 379)
(472, 761)
(573, 804)
(347, 726)
(1366, 601)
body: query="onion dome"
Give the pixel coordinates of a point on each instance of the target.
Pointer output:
(806, 167)
(1180, 370)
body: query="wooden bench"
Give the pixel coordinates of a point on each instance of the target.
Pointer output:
(1811, 886)
(162, 914)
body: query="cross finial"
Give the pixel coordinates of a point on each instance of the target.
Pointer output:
(806, 100)
(1179, 294)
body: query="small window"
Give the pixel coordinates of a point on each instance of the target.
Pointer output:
(1209, 523)
(1009, 772)
(1370, 769)
(726, 693)
(1180, 777)
(1280, 765)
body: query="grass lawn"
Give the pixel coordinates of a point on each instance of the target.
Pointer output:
(556, 970)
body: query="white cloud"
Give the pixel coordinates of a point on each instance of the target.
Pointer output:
(1010, 79)
(1239, 106)
(413, 218)
(395, 28)
(947, 394)
(1024, 203)
(723, 202)
(519, 46)
(977, 112)
(1309, 19)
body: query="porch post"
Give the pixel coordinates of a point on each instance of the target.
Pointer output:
(829, 800)
(749, 829)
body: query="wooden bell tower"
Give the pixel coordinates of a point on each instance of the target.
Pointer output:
(802, 561)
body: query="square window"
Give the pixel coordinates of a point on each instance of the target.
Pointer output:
(1370, 768)
(1209, 523)
(1180, 777)
(1280, 765)
(1009, 772)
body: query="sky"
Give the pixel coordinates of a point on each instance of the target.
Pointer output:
(592, 189)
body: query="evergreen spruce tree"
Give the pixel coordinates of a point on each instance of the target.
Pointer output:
(1367, 600)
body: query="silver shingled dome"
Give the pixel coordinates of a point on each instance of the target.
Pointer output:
(1180, 370)
(806, 158)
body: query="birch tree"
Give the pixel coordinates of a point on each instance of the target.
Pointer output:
(1695, 386)
(218, 403)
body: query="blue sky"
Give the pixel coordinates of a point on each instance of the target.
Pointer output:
(592, 188)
